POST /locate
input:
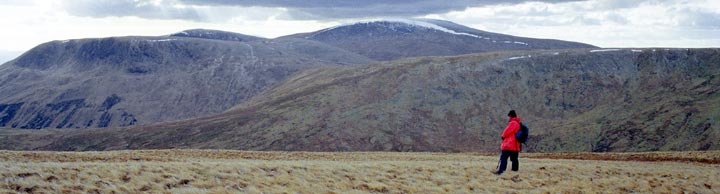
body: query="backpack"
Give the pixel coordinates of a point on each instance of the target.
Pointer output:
(522, 134)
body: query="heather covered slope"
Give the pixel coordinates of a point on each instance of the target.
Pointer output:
(573, 100)
(123, 81)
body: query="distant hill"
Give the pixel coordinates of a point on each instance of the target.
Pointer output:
(395, 39)
(572, 100)
(121, 81)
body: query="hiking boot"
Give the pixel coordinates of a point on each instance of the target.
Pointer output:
(497, 172)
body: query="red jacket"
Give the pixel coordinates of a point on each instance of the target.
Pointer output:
(509, 142)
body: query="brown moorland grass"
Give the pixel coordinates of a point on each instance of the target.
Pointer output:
(225, 171)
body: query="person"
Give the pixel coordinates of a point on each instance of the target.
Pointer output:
(510, 147)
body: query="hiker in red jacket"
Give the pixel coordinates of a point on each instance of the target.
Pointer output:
(510, 146)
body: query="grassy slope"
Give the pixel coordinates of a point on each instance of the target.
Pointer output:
(573, 100)
(221, 171)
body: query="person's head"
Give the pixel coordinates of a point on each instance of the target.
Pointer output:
(512, 114)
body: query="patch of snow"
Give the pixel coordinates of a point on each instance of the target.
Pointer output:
(162, 40)
(556, 53)
(520, 57)
(604, 50)
(636, 51)
(408, 22)
(514, 42)
(64, 41)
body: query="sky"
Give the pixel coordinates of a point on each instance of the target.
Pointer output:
(604, 23)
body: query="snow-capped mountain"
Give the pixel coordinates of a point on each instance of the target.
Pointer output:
(399, 38)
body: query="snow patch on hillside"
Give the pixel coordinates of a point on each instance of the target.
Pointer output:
(162, 40)
(604, 50)
(198, 33)
(514, 42)
(416, 23)
(520, 57)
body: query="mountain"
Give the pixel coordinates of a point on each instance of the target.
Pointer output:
(395, 39)
(572, 100)
(121, 81)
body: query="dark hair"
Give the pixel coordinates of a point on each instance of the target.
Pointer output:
(512, 114)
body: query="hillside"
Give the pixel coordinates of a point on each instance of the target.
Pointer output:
(395, 39)
(573, 100)
(121, 81)
(227, 171)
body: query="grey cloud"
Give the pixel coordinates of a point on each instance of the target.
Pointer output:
(139, 8)
(620, 4)
(703, 20)
(617, 18)
(330, 9)
(587, 21)
(196, 10)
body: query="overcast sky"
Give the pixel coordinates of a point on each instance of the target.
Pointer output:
(605, 23)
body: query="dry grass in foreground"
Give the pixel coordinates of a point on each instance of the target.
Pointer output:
(224, 171)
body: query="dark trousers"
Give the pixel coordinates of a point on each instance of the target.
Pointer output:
(503, 160)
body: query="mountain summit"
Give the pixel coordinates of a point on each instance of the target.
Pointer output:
(215, 34)
(399, 38)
